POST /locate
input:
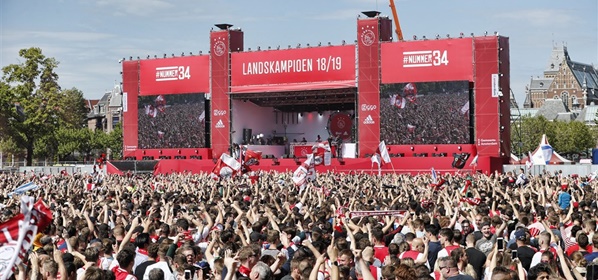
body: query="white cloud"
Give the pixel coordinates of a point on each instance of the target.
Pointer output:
(539, 17)
(56, 36)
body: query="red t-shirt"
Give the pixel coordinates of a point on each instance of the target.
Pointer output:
(380, 252)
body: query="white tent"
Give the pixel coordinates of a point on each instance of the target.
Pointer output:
(544, 154)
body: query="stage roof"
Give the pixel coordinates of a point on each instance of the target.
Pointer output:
(304, 101)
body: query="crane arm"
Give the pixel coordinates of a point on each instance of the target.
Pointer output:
(396, 20)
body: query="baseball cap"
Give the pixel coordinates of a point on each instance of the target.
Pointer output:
(520, 234)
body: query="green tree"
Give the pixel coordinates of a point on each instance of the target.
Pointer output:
(72, 109)
(530, 130)
(32, 87)
(572, 137)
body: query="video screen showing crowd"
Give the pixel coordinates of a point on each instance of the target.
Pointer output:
(172, 121)
(425, 113)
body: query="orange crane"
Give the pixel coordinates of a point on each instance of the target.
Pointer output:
(396, 17)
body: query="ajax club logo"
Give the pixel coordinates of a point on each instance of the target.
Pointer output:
(219, 46)
(368, 37)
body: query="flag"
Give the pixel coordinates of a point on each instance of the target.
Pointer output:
(19, 232)
(151, 111)
(398, 101)
(383, 152)
(529, 163)
(90, 186)
(410, 128)
(434, 176)
(474, 162)
(465, 108)
(376, 159)
(24, 188)
(251, 157)
(302, 173)
(202, 116)
(474, 201)
(226, 166)
(546, 152)
(323, 153)
(410, 92)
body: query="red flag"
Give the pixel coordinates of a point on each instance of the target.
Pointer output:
(226, 166)
(252, 157)
(383, 152)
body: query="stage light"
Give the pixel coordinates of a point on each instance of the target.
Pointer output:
(500, 93)
(459, 148)
(248, 49)
(138, 58)
(424, 38)
(414, 37)
(437, 36)
(200, 52)
(130, 58)
(435, 148)
(471, 34)
(320, 113)
(502, 128)
(301, 115)
(183, 54)
(269, 48)
(148, 56)
(259, 48)
(308, 45)
(223, 26)
(319, 44)
(190, 53)
(173, 55)
(299, 45)
(289, 46)
(329, 44)
(278, 48)
(412, 148)
(495, 33)
(155, 56)
(344, 42)
(485, 33)
(121, 60)
(448, 35)
(461, 35)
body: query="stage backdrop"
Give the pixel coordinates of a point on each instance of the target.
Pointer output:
(293, 69)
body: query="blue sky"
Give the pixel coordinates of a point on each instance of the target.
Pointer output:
(88, 37)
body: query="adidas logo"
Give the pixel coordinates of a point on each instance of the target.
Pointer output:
(219, 124)
(368, 120)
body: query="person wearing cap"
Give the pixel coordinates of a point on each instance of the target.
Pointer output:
(564, 197)
(525, 253)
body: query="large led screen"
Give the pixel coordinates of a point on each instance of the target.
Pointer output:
(426, 113)
(172, 121)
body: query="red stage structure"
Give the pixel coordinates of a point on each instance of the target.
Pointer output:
(386, 87)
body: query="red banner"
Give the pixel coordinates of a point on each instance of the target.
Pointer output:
(130, 116)
(369, 86)
(189, 74)
(220, 126)
(429, 60)
(340, 125)
(279, 70)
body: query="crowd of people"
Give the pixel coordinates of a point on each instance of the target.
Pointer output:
(431, 118)
(175, 126)
(340, 226)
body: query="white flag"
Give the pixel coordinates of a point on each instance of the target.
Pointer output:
(383, 152)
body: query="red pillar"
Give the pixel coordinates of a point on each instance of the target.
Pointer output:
(222, 43)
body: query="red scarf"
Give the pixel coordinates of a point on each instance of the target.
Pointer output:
(244, 270)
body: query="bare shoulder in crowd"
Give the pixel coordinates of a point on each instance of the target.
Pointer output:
(513, 225)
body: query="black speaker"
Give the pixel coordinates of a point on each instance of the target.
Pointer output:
(247, 135)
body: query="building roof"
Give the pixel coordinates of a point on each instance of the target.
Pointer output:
(529, 112)
(551, 109)
(89, 103)
(585, 74)
(116, 98)
(540, 84)
(588, 114)
(566, 116)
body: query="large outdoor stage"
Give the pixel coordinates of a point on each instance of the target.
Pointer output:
(428, 100)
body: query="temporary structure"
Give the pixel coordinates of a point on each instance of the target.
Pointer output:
(544, 154)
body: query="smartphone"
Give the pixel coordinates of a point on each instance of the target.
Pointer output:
(500, 244)
(187, 274)
(514, 254)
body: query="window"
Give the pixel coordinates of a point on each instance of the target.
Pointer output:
(565, 98)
